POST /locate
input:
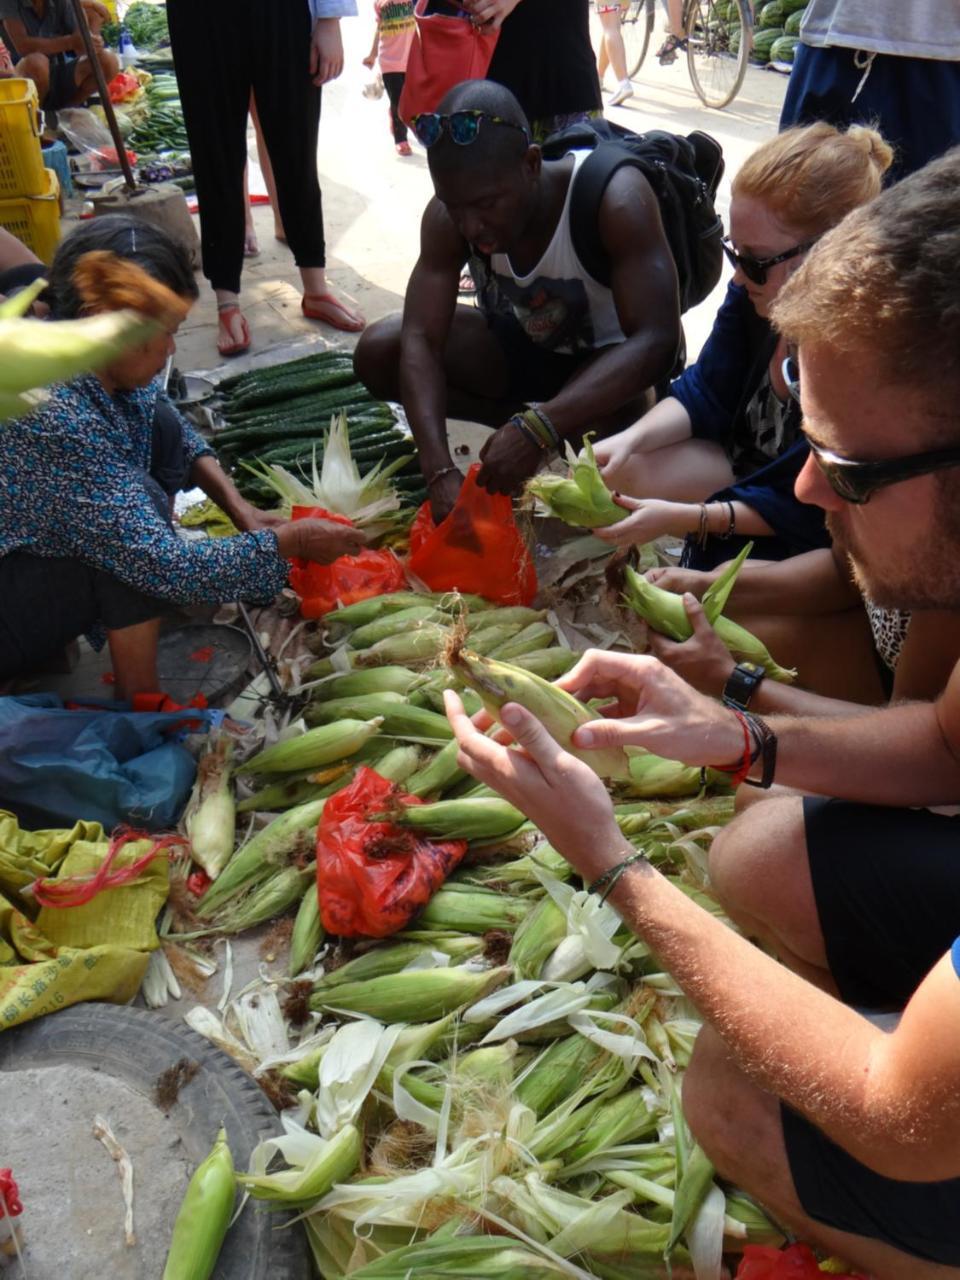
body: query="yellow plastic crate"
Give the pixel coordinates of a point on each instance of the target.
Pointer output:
(35, 220)
(21, 160)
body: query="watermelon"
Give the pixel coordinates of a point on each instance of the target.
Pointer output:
(792, 24)
(771, 15)
(763, 42)
(793, 6)
(782, 50)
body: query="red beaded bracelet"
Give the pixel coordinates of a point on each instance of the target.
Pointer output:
(739, 773)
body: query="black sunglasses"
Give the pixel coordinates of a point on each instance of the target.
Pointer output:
(755, 269)
(855, 481)
(462, 126)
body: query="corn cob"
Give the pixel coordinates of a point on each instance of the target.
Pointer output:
(354, 706)
(622, 1119)
(549, 664)
(477, 819)
(439, 774)
(376, 680)
(557, 1072)
(430, 689)
(537, 937)
(266, 900)
(212, 819)
(473, 1256)
(417, 645)
(203, 1217)
(391, 625)
(499, 683)
(287, 835)
(396, 717)
(373, 964)
(539, 635)
(399, 764)
(486, 639)
(580, 499)
(493, 1064)
(652, 775)
(505, 616)
(364, 611)
(421, 995)
(600, 1000)
(296, 789)
(311, 750)
(307, 934)
(477, 911)
(296, 1188)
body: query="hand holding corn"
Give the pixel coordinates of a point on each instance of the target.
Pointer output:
(559, 793)
(651, 707)
(704, 660)
(647, 519)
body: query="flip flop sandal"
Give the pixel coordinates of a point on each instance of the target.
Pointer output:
(325, 307)
(225, 316)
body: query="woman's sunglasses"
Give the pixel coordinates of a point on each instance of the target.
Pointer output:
(755, 269)
(856, 482)
(462, 126)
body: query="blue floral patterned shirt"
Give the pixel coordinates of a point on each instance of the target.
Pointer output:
(72, 484)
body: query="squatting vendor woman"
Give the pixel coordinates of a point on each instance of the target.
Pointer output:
(87, 543)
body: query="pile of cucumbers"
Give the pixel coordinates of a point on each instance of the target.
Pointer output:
(280, 415)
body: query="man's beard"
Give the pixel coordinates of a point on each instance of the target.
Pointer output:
(927, 574)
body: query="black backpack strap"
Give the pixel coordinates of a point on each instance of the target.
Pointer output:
(591, 181)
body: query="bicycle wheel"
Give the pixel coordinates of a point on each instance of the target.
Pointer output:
(719, 39)
(636, 27)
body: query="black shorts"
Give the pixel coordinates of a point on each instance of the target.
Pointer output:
(534, 373)
(887, 888)
(63, 84)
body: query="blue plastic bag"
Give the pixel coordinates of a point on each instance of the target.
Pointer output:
(103, 763)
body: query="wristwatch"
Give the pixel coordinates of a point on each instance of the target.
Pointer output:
(742, 684)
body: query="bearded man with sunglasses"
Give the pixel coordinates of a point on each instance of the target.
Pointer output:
(550, 352)
(845, 1126)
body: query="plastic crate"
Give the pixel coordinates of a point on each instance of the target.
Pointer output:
(21, 161)
(35, 220)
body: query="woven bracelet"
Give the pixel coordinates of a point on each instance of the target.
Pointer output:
(610, 878)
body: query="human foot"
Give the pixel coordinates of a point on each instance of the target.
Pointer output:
(404, 149)
(667, 52)
(328, 308)
(233, 337)
(251, 246)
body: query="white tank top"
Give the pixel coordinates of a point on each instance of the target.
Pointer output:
(558, 304)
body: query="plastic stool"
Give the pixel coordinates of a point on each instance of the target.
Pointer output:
(55, 158)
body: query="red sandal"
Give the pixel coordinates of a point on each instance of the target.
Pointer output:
(225, 314)
(329, 309)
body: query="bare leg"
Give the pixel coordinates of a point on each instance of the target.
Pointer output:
(250, 245)
(687, 472)
(613, 44)
(833, 653)
(133, 651)
(739, 1127)
(86, 81)
(35, 67)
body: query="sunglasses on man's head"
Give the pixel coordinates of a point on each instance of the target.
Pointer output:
(462, 126)
(855, 481)
(755, 269)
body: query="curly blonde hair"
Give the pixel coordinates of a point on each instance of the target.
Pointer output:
(887, 281)
(811, 177)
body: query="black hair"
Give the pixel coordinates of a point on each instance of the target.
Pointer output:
(148, 246)
(496, 145)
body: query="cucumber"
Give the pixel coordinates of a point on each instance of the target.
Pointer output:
(275, 371)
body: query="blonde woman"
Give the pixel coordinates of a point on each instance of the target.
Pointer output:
(715, 461)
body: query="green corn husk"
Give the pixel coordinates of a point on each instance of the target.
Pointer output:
(353, 706)
(486, 639)
(537, 937)
(549, 664)
(204, 1217)
(420, 995)
(374, 680)
(477, 911)
(462, 1256)
(442, 772)
(507, 615)
(664, 612)
(695, 1182)
(539, 635)
(652, 776)
(393, 624)
(211, 820)
(399, 764)
(324, 667)
(291, 833)
(625, 1118)
(266, 900)
(498, 683)
(417, 645)
(492, 1065)
(430, 693)
(483, 818)
(308, 932)
(361, 612)
(296, 789)
(334, 1162)
(397, 718)
(388, 958)
(580, 499)
(313, 749)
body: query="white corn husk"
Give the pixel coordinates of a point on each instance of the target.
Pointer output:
(348, 1070)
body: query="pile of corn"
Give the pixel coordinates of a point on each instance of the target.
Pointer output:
(495, 1089)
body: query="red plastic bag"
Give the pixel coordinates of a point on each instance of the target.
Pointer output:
(760, 1262)
(321, 587)
(373, 876)
(476, 549)
(447, 50)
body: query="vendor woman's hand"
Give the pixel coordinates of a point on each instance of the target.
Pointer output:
(651, 707)
(558, 792)
(489, 13)
(508, 460)
(320, 540)
(326, 51)
(250, 519)
(648, 518)
(704, 660)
